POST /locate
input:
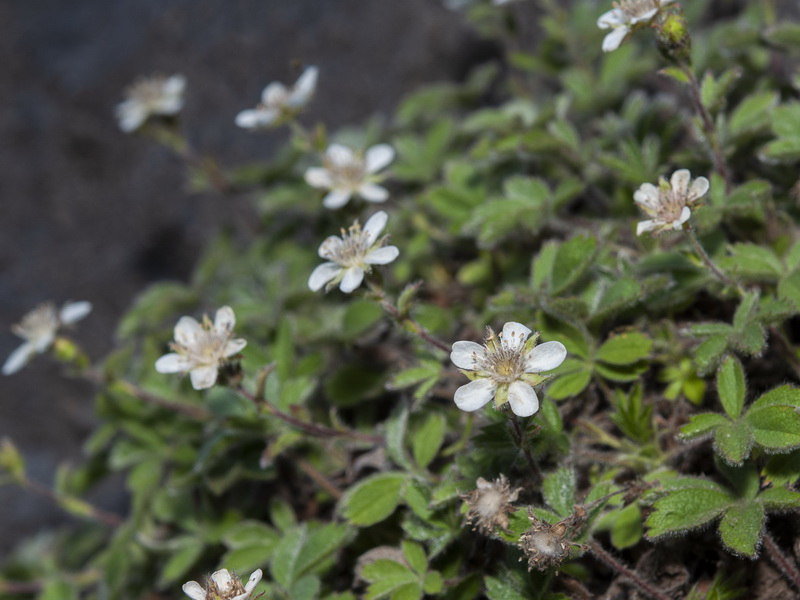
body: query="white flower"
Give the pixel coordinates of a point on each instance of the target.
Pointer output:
(669, 204)
(201, 348)
(279, 103)
(625, 15)
(505, 368)
(39, 327)
(222, 585)
(151, 96)
(346, 173)
(353, 254)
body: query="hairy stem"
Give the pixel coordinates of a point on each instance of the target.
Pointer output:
(779, 559)
(709, 129)
(320, 479)
(519, 437)
(698, 247)
(644, 586)
(311, 428)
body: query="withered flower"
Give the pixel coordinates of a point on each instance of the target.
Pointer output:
(490, 504)
(547, 545)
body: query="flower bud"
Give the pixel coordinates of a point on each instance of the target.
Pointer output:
(672, 35)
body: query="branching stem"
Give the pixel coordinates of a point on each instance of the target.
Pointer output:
(629, 574)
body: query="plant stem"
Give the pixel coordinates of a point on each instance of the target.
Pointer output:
(644, 587)
(312, 428)
(404, 319)
(698, 247)
(520, 439)
(65, 501)
(784, 565)
(318, 478)
(786, 350)
(708, 127)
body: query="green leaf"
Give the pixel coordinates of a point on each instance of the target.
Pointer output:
(731, 386)
(415, 555)
(785, 395)
(305, 588)
(498, 589)
(776, 428)
(708, 353)
(284, 560)
(353, 384)
(427, 439)
(181, 561)
(752, 113)
(785, 34)
(685, 509)
(542, 266)
(627, 528)
(733, 441)
(386, 577)
(433, 583)
(625, 348)
(320, 544)
(571, 262)
(741, 528)
(572, 383)
(58, 590)
(248, 558)
(702, 424)
(753, 263)
(359, 317)
(373, 499)
(779, 498)
(558, 489)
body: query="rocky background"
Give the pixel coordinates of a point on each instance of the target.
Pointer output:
(89, 213)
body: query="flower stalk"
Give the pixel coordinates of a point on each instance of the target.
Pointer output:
(645, 587)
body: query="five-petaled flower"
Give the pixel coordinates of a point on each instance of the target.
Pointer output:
(353, 254)
(279, 103)
(223, 585)
(625, 15)
(670, 204)
(345, 172)
(151, 96)
(201, 348)
(39, 327)
(505, 368)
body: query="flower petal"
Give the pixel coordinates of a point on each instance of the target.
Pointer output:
(611, 18)
(330, 248)
(475, 394)
(131, 115)
(647, 196)
(612, 41)
(378, 157)
(336, 199)
(275, 94)
(234, 347)
(18, 358)
(318, 177)
(522, 399)
(545, 357)
(43, 341)
(644, 17)
(353, 276)
(686, 212)
(322, 275)
(203, 377)
(304, 88)
(187, 330)
(340, 155)
(648, 225)
(374, 226)
(194, 590)
(698, 189)
(373, 193)
(680, 182)
(223, 579)
(382, 256)
(253, 582)
(255, 118)
(173, 363)
(515, 334)
(175, 85)
(466, 354)
(224, 320)
(74, 311)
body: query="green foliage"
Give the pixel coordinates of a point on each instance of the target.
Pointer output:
(330, 453)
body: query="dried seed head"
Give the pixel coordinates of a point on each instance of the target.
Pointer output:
(490, 503)
(548, 545)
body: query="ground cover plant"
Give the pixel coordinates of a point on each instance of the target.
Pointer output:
(534, 336)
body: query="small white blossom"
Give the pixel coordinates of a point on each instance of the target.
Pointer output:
(345, 173)
(201, 348)
(222, 585)
(353, 254)
(39, 327)
(279, 103)
(505, 368)
(669, 204)
(625, 15)
(151, 96)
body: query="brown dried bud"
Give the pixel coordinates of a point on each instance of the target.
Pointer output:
(548, 545)
(490, 504)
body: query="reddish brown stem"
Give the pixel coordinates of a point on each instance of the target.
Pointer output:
(785, 566)
(644, 586)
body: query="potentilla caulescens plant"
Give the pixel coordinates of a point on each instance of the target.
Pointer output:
(156, 96)
(341, 455)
